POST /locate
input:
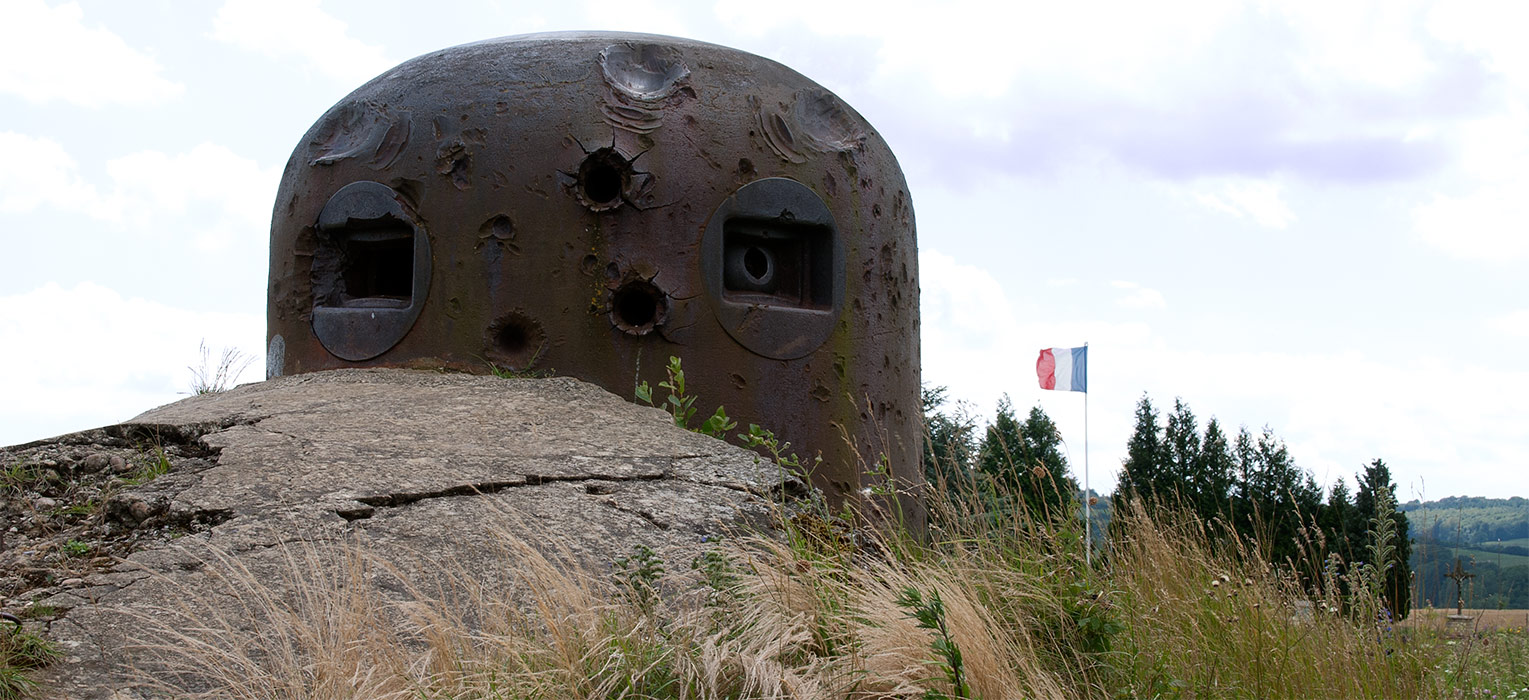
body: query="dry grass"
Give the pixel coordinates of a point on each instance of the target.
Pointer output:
(1211, 620)
(1483, 619)
(1171, 612)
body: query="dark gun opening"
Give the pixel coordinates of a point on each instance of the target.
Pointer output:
(379, 266)
(777, 262)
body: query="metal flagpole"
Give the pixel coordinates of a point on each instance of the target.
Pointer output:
(1088, 517)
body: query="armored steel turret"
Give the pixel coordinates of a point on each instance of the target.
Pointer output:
(591, 204)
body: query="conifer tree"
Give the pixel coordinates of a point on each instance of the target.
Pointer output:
(949, 441)
(1181, 444)
(1243, 498)
(1214, 473)
(1335, 520)
(1275, 495)
(1141, 474)
(1025, 457)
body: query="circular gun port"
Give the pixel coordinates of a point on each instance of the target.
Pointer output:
(638, 307)
(603, 178)
(758, 265)
(750, 268)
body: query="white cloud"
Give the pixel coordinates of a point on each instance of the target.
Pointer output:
(1514, 323)
(1336, 408)
(1139, 297)
(645, 16)
(959, 297)
(1487, 219)
(1488, 224)
(50, 54)
(148, 191)
(84, 357)
(1491, 28)
(1370, 44)
(971, 337)
(978, 48)
(150, 185)
(1258, 200)
(36, 172)
(301, 29)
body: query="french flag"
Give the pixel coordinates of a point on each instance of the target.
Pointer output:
(1063, 369)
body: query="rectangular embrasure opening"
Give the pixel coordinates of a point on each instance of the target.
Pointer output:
(379, 267)
(777, 262)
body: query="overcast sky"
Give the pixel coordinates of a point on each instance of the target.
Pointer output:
(1307, 216)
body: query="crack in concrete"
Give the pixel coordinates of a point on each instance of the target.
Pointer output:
(645, 515)
(539, 479)
(394, 500)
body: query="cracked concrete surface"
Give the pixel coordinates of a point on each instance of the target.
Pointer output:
(419, 467)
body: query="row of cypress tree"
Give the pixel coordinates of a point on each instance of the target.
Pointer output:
(1013, 464)
(1249, 483)
(1254, 486)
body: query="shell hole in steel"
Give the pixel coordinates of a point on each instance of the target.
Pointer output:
(637, 307)
(512, 339)
(515, 340)
(603, 177)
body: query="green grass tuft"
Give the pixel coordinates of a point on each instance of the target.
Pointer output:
(20, 652)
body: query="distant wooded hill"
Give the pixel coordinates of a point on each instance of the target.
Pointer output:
(1469, 519)
(1489, 536)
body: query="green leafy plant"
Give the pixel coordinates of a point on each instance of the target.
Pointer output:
(86, 507)
(1096, 621)
(1368, 599)
(681, 405)
(638, 576)
(76, 548)
(762, 438)
(717, 425)
(717, 573)
(882, 481)
(930, 614)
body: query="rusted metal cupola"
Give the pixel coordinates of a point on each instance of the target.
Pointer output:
(591, 204)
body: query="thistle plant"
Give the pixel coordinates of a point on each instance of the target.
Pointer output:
(1370, 576)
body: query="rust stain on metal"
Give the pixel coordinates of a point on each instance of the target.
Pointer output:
(598, 202)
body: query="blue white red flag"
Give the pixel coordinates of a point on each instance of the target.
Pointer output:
(1063, 369)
